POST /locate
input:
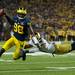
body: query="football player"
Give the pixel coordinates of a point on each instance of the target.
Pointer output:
(21, 27)
(56, 47)
(53, 47)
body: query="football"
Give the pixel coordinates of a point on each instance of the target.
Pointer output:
(2, 12)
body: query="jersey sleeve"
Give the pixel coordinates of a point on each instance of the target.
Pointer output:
(29, 22)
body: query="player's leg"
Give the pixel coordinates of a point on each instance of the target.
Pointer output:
(9, 43)
(24, 52)
(16, 54)
(19, 52)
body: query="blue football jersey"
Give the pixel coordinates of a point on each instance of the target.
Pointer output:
(21, 28)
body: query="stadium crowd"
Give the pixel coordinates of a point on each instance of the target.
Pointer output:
(53, 19)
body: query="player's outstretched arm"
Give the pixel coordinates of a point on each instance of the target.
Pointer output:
(11, 21)
(32, 31)
(3, 13)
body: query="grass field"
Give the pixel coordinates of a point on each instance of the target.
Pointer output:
(38, 64)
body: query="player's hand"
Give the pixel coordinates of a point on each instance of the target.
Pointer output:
(2, 13)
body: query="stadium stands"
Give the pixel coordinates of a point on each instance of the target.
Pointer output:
(54, 13)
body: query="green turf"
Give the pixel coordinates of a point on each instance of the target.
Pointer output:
(38, 65)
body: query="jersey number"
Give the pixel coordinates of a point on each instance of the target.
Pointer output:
(18, 29)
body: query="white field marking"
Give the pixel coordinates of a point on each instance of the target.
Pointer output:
(2, 60)
(34, 63)
(33, 54)
(38, 70)
(45, 63)
(39, 54)
(61, 68)
(29, 70)
(8, 53)
(42, 53)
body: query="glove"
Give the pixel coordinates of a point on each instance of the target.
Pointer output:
(2, 12)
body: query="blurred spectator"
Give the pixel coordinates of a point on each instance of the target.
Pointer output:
(44, 12)
(1, 28)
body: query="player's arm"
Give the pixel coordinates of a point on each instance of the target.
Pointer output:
(31, 29)
(11, 21)
(3, 13)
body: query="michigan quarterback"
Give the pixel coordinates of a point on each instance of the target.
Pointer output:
(21, 27)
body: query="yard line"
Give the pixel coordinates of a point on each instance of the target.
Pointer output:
(29, 70)
(46, 69)
(42, 53)
(33, 54)
(61, 68)
(2, 60)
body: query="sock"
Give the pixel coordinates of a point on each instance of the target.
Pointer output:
(2, 51)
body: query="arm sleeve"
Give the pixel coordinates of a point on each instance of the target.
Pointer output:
(11, 21)
(31, 28)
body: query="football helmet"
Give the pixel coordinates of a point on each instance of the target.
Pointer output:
(38, 36)
(21, 12)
